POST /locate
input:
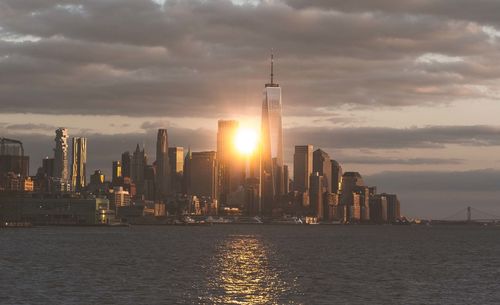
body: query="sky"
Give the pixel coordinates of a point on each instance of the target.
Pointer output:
(405, 92)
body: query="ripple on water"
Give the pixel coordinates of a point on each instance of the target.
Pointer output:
(244, 271)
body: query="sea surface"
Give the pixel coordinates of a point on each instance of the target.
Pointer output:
(250, 264)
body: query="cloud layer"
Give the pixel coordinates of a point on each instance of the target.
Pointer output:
(384, 137)
(202, 58)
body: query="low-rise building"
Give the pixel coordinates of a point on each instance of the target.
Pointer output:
(53, 211)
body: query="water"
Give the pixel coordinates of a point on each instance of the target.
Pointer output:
(259, 264)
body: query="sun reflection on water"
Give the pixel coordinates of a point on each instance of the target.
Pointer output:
(244, 273)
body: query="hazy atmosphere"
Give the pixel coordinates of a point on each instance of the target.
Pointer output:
(405, 92)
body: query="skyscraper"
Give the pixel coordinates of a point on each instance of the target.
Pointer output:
(393, 207)
(286, 180)
(79, 164)
(162, 165)
(272, 182)
(317, 190)
(378, 208)
(117, 171)
(186, 178)
(230, 164)
(351, 181)
(96, 185)
(323, 166)
(150, 185)
(12, 158)
(126, 163)
(176, 159)
(302, 167)
(203, 174)
(336, 176)
(352, 189)
(61, 155)
(137, 166)
(48, 166)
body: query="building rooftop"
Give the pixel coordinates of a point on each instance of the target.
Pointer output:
(352, 174)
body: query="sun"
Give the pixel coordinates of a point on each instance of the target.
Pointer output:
(246, 140)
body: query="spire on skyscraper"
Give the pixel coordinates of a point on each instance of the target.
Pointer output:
(272, 68)
(163, 175)
(272, 84)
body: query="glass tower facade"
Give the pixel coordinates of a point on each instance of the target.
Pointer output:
(79, 164)
(162, 165)
(272, 180)
(61, 169)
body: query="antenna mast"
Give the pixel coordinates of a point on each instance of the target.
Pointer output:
(272, 68)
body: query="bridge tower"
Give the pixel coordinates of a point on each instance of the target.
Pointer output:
(469, 214)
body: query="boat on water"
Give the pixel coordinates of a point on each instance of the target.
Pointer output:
(288, 221)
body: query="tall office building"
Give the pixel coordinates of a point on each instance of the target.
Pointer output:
(352, 198)
(48, 166)
(323, 166)
(272, 182)
(317, 190)
(61, 155)
(186, 177)
(117, 171)
(378, 208)
(97, 177)
(162, 165)
(336, 177)
(150, 192)
(364, 202)
(230, 164)
(126, 163)
(286, 180)
(137, 167)
(351, 181)
(203, 174)
(79, 164)
(12, 158)
(393, 207)
(176, 159)
(302, 167)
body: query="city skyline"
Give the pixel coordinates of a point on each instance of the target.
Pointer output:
(246, 177)
(249, 151)
(393, 89)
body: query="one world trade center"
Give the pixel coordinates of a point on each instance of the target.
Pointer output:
(272, 175)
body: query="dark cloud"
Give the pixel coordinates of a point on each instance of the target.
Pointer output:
(155, 125)
(201, 58)
(28, 127)
(457, 181)
(398, 161)
(384, 137)
(483, 11)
